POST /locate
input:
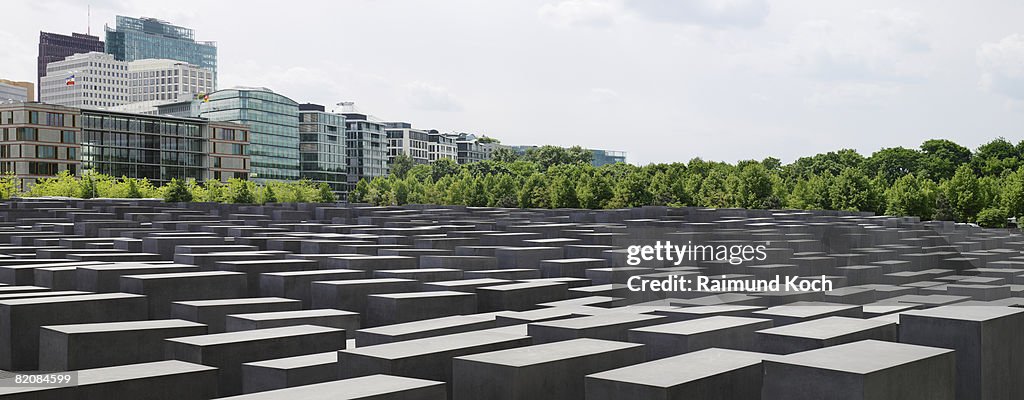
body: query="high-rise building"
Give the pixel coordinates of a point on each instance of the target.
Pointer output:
(403, 139)
(366, 148)
(322, 146)
(273, 120)
(441, 146)
(86, 80)
(40, 140)
(56, 47)
(141, 38)
(16, 92)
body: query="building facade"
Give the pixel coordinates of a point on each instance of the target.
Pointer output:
(403, 139)
(38, 141)
(469, 149)
(145, 38)
(56, 47)
(86, 80)
(41, 140)
(605, 157)
(273, 121)
(366, 148)
(16, 92)
(441, 146)
(322, 147)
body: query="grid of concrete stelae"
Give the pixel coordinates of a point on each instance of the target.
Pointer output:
(148, 300)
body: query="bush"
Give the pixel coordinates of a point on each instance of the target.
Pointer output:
(177, 192)
(993, 217)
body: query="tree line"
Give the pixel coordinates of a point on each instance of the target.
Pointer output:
(96, 185)
(940, 180)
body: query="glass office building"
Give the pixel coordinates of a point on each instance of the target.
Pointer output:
(322, 146)
(141, 38)
(273, 120)
(605, 157)
(366, 148)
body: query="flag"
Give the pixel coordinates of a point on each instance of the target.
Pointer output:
(206, 98)
(70, 80)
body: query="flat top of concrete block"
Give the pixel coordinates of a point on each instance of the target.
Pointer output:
(573, 260)
(428, 324)
(180, 275)
(886, 308)
(255, 334)
(317, 312)
(525, 249)
(365, 281)
(236, 301)
(330, 357)
(70, 299)
(714, 309)
(805, 309)
(345, 389)
(672, 371)
(123, 326)
(599, 320)
(121, 373)
(316, 272)
(436, 344)
(861, 357)
(702, 325)
(286, 261)
(469, 282)
(132, 266)
(423, 295)
(966, 313)
(549, 352)
(581, 301)
(523, 285)
(825, 328)
(417, 270)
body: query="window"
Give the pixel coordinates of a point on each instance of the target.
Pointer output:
(26, 133)
(46, 152)
(67, 137)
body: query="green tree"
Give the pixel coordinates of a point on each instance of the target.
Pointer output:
(268, 193)
(963, 194)
(632, 191)
(892, 163)
(325, 194)
(241, 193)
(444, 167)
(503, 193)
(534, 193)
(757, 188)
(89, 189)
(177, 192)
(133, 189)
(853, 191)
(942, 157)
(401, 165)
(993, 217)
(8, 185)
(913, 196)
(713, 190)
(504, 155)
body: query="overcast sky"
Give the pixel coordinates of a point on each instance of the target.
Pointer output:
(664, 80)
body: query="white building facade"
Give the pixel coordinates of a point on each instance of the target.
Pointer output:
(441, 146)
(97, 80)
(86, 80)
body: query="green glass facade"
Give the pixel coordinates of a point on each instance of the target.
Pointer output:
(143, 146)
(142, 38)
(366, 148)
(273, 120)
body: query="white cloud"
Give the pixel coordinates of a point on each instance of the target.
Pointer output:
(430, 97)
(602, 95)
(710, 13)
(1002, 66)
(570, 13)
(856, 94)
